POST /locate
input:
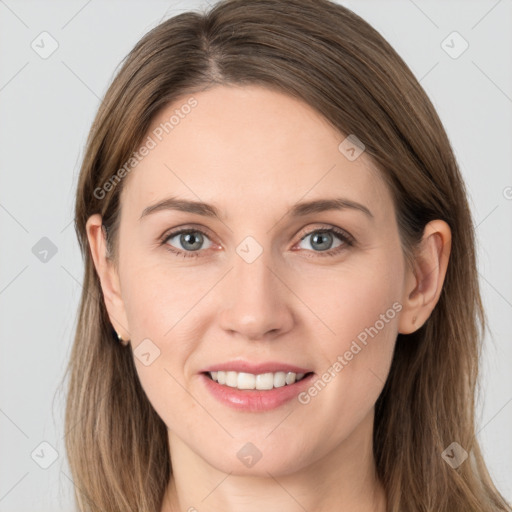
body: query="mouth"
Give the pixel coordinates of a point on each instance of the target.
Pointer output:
(255, 392)
(260, 382)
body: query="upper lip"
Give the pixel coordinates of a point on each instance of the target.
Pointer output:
(256, 369)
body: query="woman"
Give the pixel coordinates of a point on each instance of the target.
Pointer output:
(281, 306)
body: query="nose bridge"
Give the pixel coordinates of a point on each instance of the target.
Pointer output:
(252, 272)
(254, 301)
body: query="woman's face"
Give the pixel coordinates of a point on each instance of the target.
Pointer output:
(260, 284)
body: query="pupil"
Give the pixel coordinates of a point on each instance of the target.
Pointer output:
(186, 239)
(327, 244)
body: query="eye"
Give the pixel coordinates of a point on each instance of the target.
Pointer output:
(321, 239)
(190, 240)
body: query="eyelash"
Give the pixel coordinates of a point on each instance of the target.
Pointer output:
(347, 239)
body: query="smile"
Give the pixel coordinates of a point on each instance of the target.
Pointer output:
(251, 392)
(262, 381)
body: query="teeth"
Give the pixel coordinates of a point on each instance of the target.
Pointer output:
(264, 381)
(280, 379)
(231, 379)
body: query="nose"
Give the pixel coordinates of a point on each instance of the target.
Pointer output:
(256, 303)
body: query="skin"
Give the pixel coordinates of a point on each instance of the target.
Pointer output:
(254, 153)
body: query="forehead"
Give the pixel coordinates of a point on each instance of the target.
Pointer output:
(250, 146)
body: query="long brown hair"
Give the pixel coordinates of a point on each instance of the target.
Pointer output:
(333, 60)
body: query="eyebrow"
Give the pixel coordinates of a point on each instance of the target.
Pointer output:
(298, 210)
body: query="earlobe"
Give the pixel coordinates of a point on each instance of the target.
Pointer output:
(108, 276)
(423, 284)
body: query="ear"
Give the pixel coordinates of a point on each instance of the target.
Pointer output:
(108, 276)
(424, 283)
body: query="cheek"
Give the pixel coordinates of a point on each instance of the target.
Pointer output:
(368, 312)
(158, 301)
(159, 309)
(357, 357)
(359, 300)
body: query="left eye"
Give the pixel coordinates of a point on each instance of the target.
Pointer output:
(323, 239)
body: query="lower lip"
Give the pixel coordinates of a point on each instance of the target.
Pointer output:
(255, 400)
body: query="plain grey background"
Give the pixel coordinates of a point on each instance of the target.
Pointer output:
(46, 109)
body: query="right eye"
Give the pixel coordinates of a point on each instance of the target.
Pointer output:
(189, 239)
